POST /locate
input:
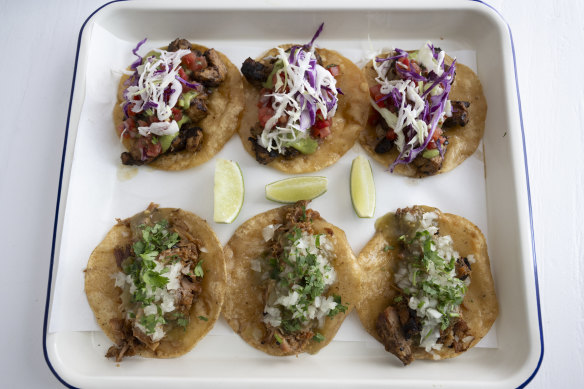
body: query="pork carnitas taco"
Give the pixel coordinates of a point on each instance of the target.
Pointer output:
(427, 289)
(178, 107)
(305, 107)
(156, 283)
(427, 111)
(292, 279)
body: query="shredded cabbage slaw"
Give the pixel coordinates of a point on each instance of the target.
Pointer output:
(422, 101)
(302, 88)
(155, 84)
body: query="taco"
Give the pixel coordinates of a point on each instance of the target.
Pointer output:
(292, 279)
(304, 108)
(427, 289)
(156, 283)
(427, 111)
(178, 107)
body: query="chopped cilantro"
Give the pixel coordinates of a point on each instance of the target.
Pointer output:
(146, 271)
(199, 269)
(278, 338)
(398, 299)
(339, 308)
(433, 280)
(154, 279)
(302, 272)
(204, 318)
(318, 337)
(183, 322)
(150, 321)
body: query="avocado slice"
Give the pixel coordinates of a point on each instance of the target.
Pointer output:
(269, 84)
(430, 153)
(166, 140)
(304, 145)
(184, 100)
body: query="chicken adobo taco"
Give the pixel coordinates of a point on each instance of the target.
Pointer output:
(178, 107)
(292, 279)
(156, 283)
(427, 111)
(427, 289)
(304, 109)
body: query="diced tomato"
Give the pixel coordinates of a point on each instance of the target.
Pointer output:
(182, 74)
(264, 114)
(200, 63)
(188, 60)
(441, 140)
(321, 124)
(153, 149)
(121, 128)
(391, 135)
(130, 112)
(142, 123)
(322, 132)
(415, 67)
(437, 133)
(404, 61)
(130, 125)
(177, 114)
(374, 118)
(375, 93)
(193, 62)
(335, 70)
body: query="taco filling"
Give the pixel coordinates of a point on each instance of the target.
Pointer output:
(298, 99)
(165, 99)
(412, 109)
(432, 280)
(160, 276)
(296, 273)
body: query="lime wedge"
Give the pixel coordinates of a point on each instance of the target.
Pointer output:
(228, 192)
(290, 190)
(362, 187)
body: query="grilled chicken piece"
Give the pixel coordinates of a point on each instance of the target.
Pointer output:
(459, 114)
(178, 44)
(428, 166)
(198, 109)
(190, 137)
(215, 71)
(255, 72)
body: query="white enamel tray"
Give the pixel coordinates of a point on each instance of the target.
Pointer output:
(94, 189)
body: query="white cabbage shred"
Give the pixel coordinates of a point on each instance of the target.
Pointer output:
(412, 103)
(157, 83)
(294, 102)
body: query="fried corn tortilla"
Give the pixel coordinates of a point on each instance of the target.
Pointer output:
(379, 260)
(105, 298)
(462, 141)
(244, 303)
(224, 106)
(351, 115)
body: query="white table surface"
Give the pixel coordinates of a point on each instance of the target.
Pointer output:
(38, 46)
